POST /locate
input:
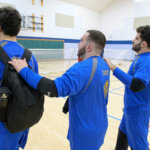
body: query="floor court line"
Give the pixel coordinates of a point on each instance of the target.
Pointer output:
(116, 93)
(116, 89)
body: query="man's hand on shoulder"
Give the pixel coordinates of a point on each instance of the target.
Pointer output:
(110, 65)
(18, 64)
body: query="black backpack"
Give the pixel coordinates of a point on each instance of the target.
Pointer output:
(25, 105)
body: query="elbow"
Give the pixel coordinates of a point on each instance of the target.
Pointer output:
(136, 89)
(47, 87)
(137, 85)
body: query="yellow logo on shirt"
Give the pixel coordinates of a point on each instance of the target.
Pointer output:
(106, 88)
(105, 72)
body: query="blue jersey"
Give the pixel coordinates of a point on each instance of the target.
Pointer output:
(138, 103)
(12, 141)
(87, 110)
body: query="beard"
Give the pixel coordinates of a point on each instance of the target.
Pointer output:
(137, 47)
(81, 52)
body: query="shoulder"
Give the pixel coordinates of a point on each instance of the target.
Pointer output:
(83, 65)
(103, 63)
(143, 59)
(80, 69)
(142, 63)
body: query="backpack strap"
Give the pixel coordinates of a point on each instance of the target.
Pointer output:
(3, 56)
(3, 43)
(27, 54)
(94, 67)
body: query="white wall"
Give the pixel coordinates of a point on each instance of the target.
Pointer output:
(117, 20)
(70, 51)
(142, 8)
(83, 18)
(117, 24)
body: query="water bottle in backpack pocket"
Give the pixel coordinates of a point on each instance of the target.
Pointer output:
(5, 94)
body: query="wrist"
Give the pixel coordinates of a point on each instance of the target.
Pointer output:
(113, 67)
(23, 71)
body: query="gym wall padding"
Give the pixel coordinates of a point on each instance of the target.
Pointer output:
(44, 49)
(41, 43)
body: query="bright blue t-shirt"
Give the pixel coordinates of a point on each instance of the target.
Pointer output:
(87, 110)
(137, 104)
(12, 141)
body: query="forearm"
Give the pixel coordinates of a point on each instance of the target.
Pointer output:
(123, 77)
(134, 84)
(30, 77)
(47, 87)
(44, 85)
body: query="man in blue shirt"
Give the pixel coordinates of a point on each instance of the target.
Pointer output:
(87, 106)
(10, 23)
(135, 122)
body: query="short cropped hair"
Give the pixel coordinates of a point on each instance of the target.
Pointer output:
(98, 38)
(10, 21)
(144, 33)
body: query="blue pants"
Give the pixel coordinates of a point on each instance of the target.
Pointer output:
(136, 131)
(86, 139)
(12, 141)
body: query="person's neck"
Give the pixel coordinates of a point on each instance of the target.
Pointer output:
(8, 38)
(143, 51)
(90, 55)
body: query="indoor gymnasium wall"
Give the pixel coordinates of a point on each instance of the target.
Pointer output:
(116, 21)
(117, 24)
(54, 13)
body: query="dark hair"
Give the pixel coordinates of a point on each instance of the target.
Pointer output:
(144, 33)
(10, 21)
(98, 38)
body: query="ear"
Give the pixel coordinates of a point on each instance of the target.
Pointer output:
(144, 44)
(89, 47)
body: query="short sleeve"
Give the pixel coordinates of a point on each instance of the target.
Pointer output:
(71, 82)
(142, 71)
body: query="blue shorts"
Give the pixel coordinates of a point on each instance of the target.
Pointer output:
(136, 131)
(12, 141)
